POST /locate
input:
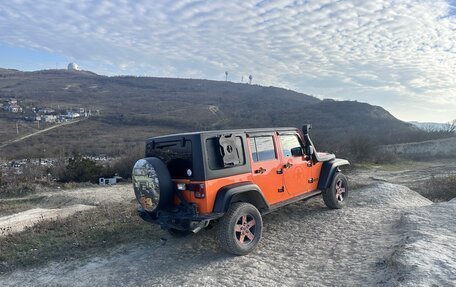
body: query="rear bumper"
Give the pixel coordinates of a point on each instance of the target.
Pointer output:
(178, 219)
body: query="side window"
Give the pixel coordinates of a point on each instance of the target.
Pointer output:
(253, 150)
(262, 148)
(288, 142)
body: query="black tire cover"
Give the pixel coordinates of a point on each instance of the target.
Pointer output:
(152, 184)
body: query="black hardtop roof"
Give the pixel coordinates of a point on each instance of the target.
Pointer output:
(233, 131)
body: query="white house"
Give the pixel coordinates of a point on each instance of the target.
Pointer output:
(73, 115)
(109, 181)
(50, 118)
(14, 108)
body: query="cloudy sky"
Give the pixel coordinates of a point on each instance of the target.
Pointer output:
(397, 54)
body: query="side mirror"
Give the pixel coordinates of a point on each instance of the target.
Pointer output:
(296, 151)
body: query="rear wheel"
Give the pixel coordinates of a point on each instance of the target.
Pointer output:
(240, 228)
(336, 195)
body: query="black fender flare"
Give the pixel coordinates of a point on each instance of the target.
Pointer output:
(328, 171)
(242, 191)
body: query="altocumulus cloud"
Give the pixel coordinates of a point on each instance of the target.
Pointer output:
(398, 54)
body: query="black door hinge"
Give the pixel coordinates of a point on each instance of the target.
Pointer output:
(282, 189)
(280, 171)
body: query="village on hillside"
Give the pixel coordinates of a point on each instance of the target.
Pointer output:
(43, 114)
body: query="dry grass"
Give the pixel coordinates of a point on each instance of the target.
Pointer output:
(83, 234)
(437, 189)
(12, 206)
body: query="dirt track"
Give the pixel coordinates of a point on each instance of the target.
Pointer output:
(366, 244)
(40, 132)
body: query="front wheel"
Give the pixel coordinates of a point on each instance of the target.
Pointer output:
(336, 195)
(240, 228)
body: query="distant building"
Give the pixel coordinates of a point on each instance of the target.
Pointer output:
(46, 111)
(109, 181)
(73, 67)
(49, 118)
(73, 115)
(15, 108)
(12, 106)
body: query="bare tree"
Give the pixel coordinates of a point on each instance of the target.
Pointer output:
(250, 79)
(450, 127)
(226, 76)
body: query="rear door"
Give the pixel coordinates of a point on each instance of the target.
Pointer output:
(266, 167)
(296, 172)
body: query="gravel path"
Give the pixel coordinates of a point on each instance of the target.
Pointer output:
(364, 244)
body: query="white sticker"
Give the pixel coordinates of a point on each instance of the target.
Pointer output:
(189, 172)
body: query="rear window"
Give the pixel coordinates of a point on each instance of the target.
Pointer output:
(177, 155)
(217, 158)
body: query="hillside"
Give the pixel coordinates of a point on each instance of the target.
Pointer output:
(133, 108)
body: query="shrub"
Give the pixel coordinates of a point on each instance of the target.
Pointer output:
(361, 148)
(78, 169)
(441, 188)
(124, 165)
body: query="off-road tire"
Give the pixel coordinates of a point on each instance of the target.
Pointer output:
(336, 195)
(176, 233)
(233, 227)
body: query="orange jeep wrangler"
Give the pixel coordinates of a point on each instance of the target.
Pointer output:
(190, 181)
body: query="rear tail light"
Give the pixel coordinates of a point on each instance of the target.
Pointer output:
(198, 189)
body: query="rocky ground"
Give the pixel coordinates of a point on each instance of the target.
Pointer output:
(387, 235)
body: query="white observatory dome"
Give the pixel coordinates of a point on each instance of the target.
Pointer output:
(73, 67)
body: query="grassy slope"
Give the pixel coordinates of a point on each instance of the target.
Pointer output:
(134, 108)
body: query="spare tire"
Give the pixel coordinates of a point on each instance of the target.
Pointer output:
(152, 184)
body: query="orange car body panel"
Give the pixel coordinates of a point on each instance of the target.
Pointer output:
(277, 182)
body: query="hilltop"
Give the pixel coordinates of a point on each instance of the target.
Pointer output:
(134, 108)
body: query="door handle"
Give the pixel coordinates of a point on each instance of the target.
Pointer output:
(260, 170)
(288, 165)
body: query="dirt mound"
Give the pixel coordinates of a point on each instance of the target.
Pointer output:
(63, 203)
(19, 221)
(92, 195)
(384, 194)
(426, 253)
